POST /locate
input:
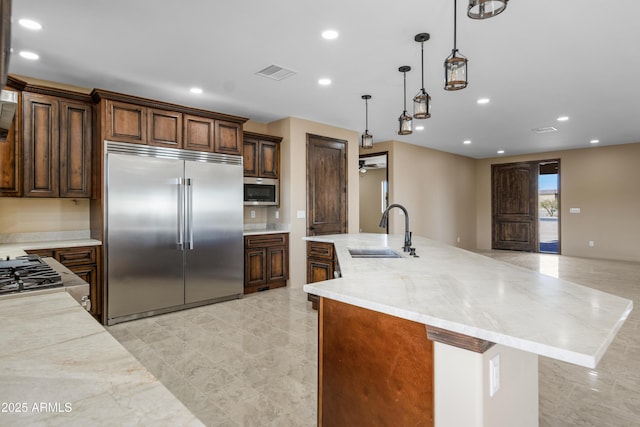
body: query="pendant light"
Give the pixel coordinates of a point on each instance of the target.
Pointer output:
(455, 66)
(405, 120)
(366, 140)
(422, 99)
(483, 9)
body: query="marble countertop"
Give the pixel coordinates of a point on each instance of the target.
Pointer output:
(61, 367)
(251, 229)
(16, 249)
(474, 295)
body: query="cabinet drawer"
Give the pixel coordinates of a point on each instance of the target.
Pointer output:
(262, 240)
(76, 256)
(320, 250)
(42, 252)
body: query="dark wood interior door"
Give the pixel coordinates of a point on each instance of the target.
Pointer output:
(514, 206)
(326, 185)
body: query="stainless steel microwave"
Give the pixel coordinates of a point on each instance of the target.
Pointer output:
(260, 192)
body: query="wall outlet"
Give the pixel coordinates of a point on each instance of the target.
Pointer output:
(300, 214)
(591, 243)
(494, 375)
(277, 214)
(574, 210)
(458, 239)
(253, 214)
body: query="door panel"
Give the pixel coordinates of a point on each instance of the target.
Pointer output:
(145, 264)
(514, 206)
(214, 267)
(326, 186)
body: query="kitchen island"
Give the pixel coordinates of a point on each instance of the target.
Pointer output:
(451, 337)
(58, 366)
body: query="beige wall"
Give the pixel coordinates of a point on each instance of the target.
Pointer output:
(294, 183)
(604, 182)
(436, 188)
(31, 215)
(371, 199)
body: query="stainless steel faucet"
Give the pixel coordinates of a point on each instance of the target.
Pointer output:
(407, 233)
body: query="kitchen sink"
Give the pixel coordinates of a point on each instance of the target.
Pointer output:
(374, 253)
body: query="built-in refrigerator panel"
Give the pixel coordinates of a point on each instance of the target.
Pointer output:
(173, 229)
(145, 270)
(214, 259)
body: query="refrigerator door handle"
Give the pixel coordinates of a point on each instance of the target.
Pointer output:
(189, 213)
(180, 231)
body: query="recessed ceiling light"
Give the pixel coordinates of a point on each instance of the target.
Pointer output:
(330, 34)
(195, 90)
(483, 100)
(467, 141)
(29, 55)
(594, 141)
(324, 82)
(30, 24)
(563, 118)
(419, 127)
(500, 151)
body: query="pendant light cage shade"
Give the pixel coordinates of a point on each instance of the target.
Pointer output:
(483, 9)
(406, 124)
(366, 139)
(455, 71)
(421, 105)
(405, 121)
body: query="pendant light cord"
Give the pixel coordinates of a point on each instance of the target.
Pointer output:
(422, 56)
(366, 115)
(455, 29)
(405, 91)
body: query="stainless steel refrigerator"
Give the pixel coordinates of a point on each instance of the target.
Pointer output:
(173, 236)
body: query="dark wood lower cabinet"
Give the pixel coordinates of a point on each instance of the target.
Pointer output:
(266, 261)
(373, 369)
(322, 264)
(84, 262)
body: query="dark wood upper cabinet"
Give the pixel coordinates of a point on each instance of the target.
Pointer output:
(56, 143)
(41, 149)
(75, 149)
(165, 128)
(126, 122)
(228, 138)
(10, 162)
(198, 133)
(261, 155)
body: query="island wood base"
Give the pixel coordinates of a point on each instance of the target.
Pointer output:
(373, 369)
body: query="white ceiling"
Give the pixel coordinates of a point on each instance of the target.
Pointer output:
(538, 60)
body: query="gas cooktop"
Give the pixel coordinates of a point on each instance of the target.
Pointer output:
(27, 273)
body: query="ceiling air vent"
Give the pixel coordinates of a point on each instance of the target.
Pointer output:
(276, 72)
(546, 129)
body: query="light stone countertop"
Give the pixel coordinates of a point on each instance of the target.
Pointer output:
(13, 250)
(468, 293)
(61, 367)
(259, 228)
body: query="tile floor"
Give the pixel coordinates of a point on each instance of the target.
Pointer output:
(252, 362)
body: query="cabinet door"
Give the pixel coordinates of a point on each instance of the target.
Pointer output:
(250, 156)
(126, 122)
(10, 163)
(165, 128)
(255, 263)
(319, 270)
(41, 146)
(198, 133)
(276, 263)
(75, 149)
(228, 138)
(268, 160)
